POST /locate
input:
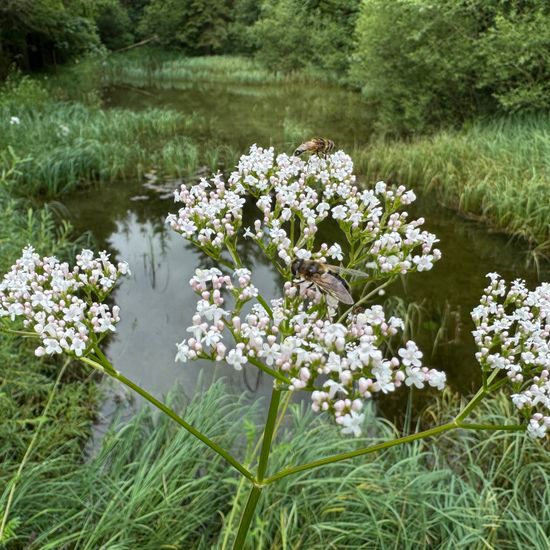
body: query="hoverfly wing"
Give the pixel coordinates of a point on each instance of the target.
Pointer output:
(334, 286)
(346, 271)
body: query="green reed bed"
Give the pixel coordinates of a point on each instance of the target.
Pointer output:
(68, 145)
(497, 171)
(153, 485)
(152, 67)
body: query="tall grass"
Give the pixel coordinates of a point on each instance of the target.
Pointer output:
(151, 67)
(153, 486)
(497, 171)
(150, 487)
(69, 144)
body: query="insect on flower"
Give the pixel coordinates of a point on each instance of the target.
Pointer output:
(317, 146)
(326, 277)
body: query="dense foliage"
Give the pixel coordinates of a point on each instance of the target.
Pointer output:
(427, 63)
(293, 34)
(195, 26)
(36, 33)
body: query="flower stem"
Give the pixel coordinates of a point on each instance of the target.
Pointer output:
(273, 373)
(268, 432)
(481, 393)
(256, 490)
(359, 452)
(169, 412)
(364, 299)
(248, 513)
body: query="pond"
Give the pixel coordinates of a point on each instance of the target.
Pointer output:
(156, 302)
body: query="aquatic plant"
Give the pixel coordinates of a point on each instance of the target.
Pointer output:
(305, 340)
(158, 68)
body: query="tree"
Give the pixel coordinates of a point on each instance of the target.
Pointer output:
(297, 34)
(36, 33)
(196, 26)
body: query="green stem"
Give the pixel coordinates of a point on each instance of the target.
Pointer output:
(247, 516)
(273, 373)
(19, 332)
(28, 452)
(268, 432)
(169, 412)
(265, 305)
(234, 255)
(280, 416)
(364, 299)
(256, 490)
(481, 393)
(360, 452)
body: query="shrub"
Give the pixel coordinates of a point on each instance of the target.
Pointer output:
(198, 27)
(293, 34)
(517, 62)
(426, 64)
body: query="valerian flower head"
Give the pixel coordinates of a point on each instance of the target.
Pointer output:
(513, 335)
(64, 307)
(299, 338)
(287, 187)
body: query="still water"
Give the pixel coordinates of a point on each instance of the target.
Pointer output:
(156, 302)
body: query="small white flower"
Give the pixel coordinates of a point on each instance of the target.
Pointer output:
(415, 377)
(14, 120)
(335, 252)
(410, 355)
(270, 354)
(52, 346)
(236, 359)
(183, 352)
(352, 423)
(536, 429)
(339, 212)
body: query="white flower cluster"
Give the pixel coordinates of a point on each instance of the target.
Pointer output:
(341, 361)
(211, 213)
(210, 319)
(342, 365)
(63, 307)
(513, 335)
(289, 189)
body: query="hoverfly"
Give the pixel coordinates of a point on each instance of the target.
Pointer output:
(315, 146)
(326, 277)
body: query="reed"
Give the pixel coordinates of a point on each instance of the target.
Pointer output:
(152, 67)
(496, 171)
